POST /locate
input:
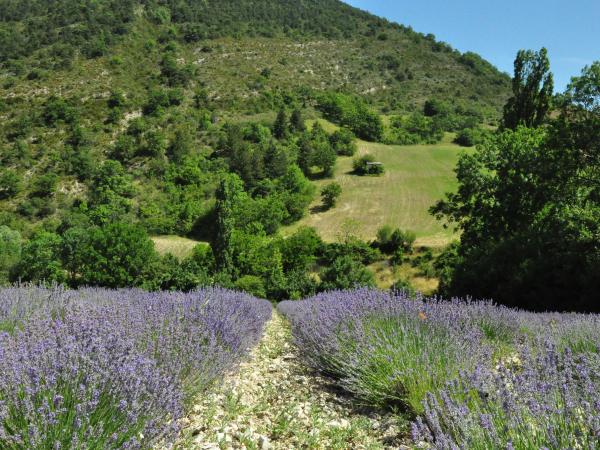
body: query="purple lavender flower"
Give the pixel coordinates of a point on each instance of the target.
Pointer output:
(114, 369)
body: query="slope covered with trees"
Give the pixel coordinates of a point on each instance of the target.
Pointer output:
(124, 119)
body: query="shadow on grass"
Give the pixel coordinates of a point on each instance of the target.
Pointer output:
(319, 209)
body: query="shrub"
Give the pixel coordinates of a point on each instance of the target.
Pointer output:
(346, 272)
(10, 251)
(343, 142)
(415, 129)
(548, 400)
(470, 137)
(41, 260)
(330, 195)
(252, 285)
(114, 369)
(353, 113)
(45, 185)
(10, 183)
(367, 165)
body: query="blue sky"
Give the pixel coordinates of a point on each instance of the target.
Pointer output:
(497, 29)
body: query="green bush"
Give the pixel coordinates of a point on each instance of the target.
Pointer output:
(354, 113)
(470, 137)
(346, 272)
(390, 240)
(252, 284)
(367, 165)
(10, 183)
(330, 195)
(10, 251)
(415, 129)
(41, 260)
(343, 142)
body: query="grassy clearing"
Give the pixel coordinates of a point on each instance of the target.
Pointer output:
(179, 247)
(416, 177)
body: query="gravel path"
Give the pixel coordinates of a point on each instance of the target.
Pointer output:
(274, 402)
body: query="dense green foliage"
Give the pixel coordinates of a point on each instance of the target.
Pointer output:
(367, 165)
(141, 112)
(528, 206)
(533, 86)
(10, 251)
(354, 113)
(330, 195)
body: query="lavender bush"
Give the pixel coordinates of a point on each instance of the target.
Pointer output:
(385, 348)
(113, 369)
(473, 375)
(527, 402)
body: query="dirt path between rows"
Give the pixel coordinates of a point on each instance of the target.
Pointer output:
(274, 402)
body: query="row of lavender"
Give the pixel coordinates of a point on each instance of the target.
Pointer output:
(113, 369)
(470, 375)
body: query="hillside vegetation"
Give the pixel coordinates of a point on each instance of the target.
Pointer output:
(187, 118)
(415, 178)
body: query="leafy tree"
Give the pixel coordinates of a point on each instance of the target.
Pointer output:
(253, 285)
(470, 137)
(346, 273)
(181, 146)
(110, 192)
(254, 254)
(118, 255)
(298, 193)
(299, 284)
(321, 153)
(330, 195)
(74, 252)
(343, 142)
(173, 73)
(528, 207)
(353, 113)
(299, 251)
(415, 129)
(58, 109)
(10, 251)
(158, 100)
(367, 165)
(305, 154)
(435, 107)
(533, 87)
(228, 194)
(281, 125)
(116, 100)
(10, 183)
(40, 260)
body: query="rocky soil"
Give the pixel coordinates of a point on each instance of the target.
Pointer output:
(274, 402)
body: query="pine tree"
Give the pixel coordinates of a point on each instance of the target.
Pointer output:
(297, 121)
(281, 126)
(276, 161)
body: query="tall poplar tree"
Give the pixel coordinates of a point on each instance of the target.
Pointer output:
(533, 86)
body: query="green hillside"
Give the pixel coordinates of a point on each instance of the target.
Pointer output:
(138, 112)
(219, 61)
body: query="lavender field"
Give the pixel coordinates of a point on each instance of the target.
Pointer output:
(467, 375)
(114, 369)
